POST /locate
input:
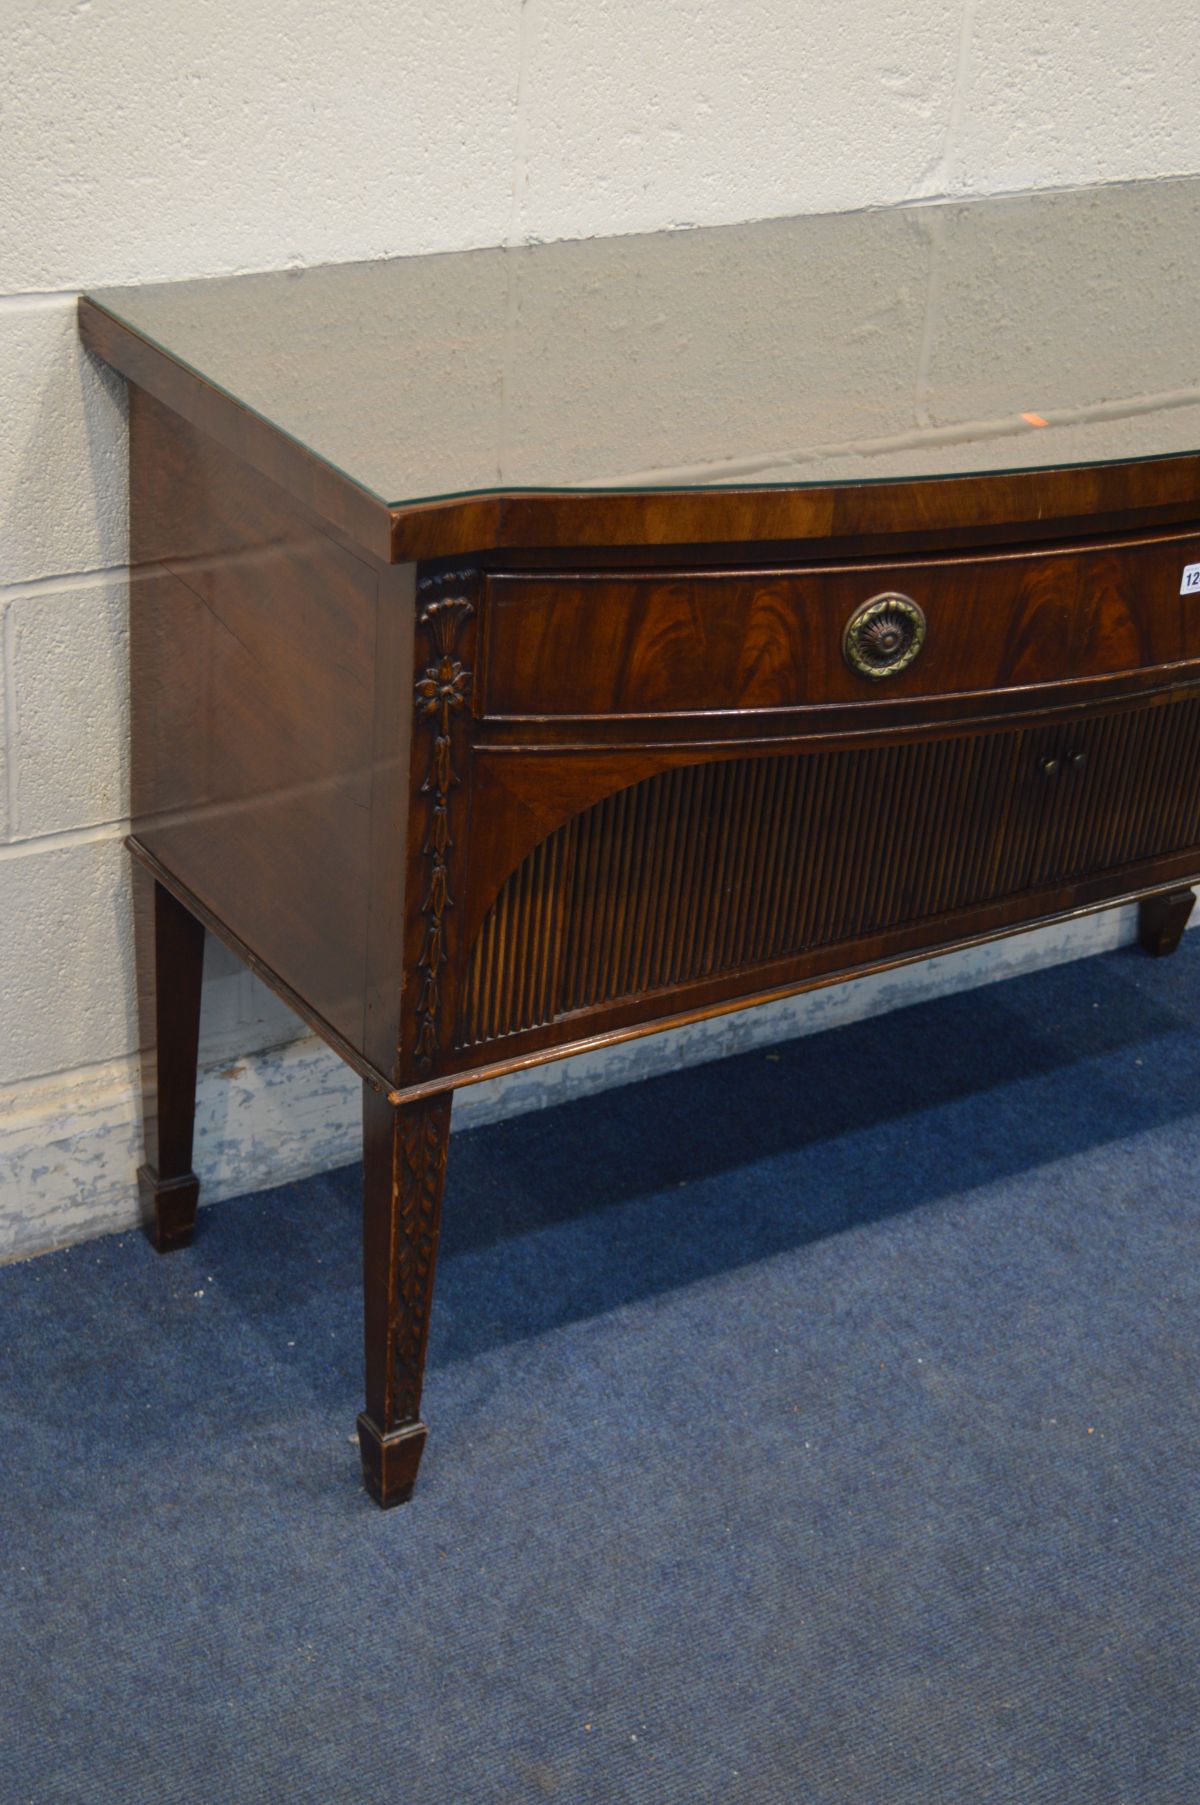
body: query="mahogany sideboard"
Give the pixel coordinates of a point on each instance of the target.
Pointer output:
(537, 647)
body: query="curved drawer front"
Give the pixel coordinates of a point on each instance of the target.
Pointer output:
(595, 645)
(710, 870)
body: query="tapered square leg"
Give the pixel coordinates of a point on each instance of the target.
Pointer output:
(169, 1207)
(1162, 919)
(390, 1462)
(170, 961)
(404, 1170)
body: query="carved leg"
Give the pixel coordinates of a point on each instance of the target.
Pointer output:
(170, 960)
(404, 1167)
(1162, 919)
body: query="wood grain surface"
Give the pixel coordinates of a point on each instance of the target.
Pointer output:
(592, 644)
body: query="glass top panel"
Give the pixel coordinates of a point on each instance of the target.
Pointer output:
(936, 339)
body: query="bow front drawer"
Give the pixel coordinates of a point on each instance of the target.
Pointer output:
(597, 644)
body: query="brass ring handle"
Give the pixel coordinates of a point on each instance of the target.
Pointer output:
(883, 636)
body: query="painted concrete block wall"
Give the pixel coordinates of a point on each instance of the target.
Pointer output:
(142, 141)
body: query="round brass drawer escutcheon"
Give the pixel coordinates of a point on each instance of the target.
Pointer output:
(883, 636)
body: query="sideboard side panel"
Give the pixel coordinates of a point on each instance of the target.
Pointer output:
(259, 748)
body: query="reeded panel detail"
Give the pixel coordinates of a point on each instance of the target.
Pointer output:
(717, 867)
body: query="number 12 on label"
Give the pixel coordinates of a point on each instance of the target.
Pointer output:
(1191, 580)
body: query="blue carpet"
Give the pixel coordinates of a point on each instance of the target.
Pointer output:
(816, 1427)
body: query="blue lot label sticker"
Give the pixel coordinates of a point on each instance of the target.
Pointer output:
(1191, 580)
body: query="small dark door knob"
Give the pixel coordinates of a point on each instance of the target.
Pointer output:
(1076, 760)
(1049, 764)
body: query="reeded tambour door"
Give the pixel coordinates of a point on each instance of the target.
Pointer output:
(1117, 789)
(745, 863)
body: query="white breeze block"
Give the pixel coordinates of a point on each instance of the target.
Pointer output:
(993, 363)
(63, 484)
(70, 728)
(636, 116)
(65, 986)
(571, 365)
(143, 142)
(1054, 94)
